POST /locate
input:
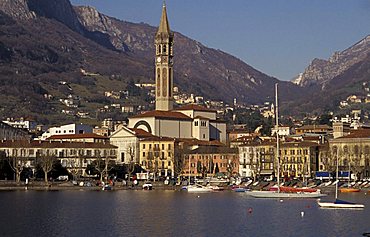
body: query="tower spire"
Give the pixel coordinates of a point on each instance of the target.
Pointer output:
(164, 27)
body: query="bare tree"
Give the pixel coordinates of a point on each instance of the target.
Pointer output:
(102, 165)
(17, 164)
(132, 164)
(46, 163)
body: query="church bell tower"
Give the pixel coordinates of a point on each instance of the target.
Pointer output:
(164, 65)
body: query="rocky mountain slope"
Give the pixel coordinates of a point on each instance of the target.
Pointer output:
(327, 82)
(321, 72)
(61, 39)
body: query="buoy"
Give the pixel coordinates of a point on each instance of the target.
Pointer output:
(250, 210)
(198, 196)
(302, 213)
(281, 200)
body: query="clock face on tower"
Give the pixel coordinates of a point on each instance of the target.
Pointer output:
(159, 59)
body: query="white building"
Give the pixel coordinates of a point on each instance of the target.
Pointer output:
(127, 142)
(67, 129)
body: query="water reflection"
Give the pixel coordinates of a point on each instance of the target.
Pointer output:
(172, 213)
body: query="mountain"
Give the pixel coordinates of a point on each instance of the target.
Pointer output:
(44, 42)
(321, 72)
(327, 82)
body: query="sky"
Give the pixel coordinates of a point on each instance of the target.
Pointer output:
(277, 37)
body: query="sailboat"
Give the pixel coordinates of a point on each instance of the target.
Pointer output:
(339, 203)
(278, 193)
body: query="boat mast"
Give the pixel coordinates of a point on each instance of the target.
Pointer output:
(277, 136)
(337, 181)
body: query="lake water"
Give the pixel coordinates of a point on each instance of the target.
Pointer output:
(173, 213)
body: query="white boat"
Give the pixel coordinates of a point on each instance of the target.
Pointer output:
(339, 203)
(198, 189)
(276, 194)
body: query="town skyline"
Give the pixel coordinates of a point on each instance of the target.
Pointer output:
(279, 38)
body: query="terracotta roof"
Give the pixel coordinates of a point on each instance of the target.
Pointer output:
(164, 115)
(298, 144)
(194, 141)
(360, 133)
(77, 136)
(195, 107)
(155, 138)
(312, 127)
(213, 150)
(53, 144)
(141, 133)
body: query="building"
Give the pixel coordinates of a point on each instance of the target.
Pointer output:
(315, 129)
(299, 159)
(75, 156)
(21, 124)
(283, 131)
(67, 129)
(127, 142)
(7, 132)
(190, 121)
(157, 156)
(207, 161)
(340, 129)
(352, 151)
(85, 137)
(164, 64)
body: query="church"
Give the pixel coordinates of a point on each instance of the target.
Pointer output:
(190, 121)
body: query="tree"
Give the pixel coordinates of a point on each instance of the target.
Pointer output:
(102, 165)
(17, 164)
(179, 162)
(46, 163)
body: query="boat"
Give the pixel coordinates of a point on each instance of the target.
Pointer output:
(275, 194)
(279, 192)
(339, 203)
(197, 188)
(349, 188)
(107, 187)
(147, 186)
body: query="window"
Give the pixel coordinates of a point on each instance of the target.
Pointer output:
(122, 156)
(164, 48)
(204, 136)
(150, 146)
(196, 123)
(162, 146)
(143, 146)
(169, 146)
(143, 154)
(169, 163)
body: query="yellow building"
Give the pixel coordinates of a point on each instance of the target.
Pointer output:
(298, 159)
(156, 156)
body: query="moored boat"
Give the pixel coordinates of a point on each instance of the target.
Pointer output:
(340, 204)
(198, 189)
(349, 190)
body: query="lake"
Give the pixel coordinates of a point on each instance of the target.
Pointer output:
(173, 213)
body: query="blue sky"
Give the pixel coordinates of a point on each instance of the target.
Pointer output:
(277, 37)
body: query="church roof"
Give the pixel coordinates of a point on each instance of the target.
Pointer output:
(164, 115)
(195, 108)
(141, 133)
(164, 27)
